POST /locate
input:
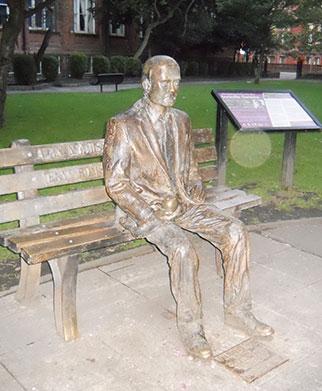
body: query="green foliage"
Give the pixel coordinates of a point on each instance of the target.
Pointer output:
(118, 64)
(252, 23)
(24, 68)
(50, 68)
(101, 64)
(133, 66)
(78, 65)
(308, 39)
(193, 68)
(183, 67)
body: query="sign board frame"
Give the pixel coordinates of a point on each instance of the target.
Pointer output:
(250, 97)
(224, 114)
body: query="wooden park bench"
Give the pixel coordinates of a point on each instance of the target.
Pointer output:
(108, 78)
(32, 185)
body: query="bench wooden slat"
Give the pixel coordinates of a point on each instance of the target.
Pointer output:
(15, 210)
(205, 154)
(45, 237)
(202, 136)
(208, 173)
(79, 221)
(39, 179)
(239, 203)
(223, 195)
(107, 236)
(49, 153)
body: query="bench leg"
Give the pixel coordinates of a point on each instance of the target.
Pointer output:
(64, 272)
(29, 281)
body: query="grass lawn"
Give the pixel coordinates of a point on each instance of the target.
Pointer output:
(57, 117)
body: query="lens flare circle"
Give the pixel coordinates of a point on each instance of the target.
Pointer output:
(250, 149)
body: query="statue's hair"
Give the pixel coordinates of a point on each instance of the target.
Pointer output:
(155, 62)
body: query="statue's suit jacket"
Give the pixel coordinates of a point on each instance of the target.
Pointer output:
(138, 175)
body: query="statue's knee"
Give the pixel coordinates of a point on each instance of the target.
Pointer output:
(237, 231)
(182, 249)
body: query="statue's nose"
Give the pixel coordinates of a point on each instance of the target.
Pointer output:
(172, 87)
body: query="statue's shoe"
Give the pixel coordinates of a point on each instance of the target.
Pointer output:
(197, 345)
(246, 322)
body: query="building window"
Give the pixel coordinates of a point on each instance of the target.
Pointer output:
(271, 59)
(117, 30)
(41, 20)
(4, 12)
(282, 59)
(317, 61)
(83, 17)
(308, 60)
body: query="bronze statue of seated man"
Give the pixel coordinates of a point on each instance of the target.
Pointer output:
(151, 174)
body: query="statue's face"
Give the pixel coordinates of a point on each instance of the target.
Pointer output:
(164, 84)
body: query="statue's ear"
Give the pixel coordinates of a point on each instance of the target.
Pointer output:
(146, 85)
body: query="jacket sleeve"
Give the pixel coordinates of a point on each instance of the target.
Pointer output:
(117, 167)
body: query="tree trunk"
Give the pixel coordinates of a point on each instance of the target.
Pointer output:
(145, 41)
(10, 32)
(40, 54)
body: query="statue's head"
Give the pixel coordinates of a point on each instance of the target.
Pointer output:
(160, 80)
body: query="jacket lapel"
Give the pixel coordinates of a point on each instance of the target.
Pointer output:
(150, 137)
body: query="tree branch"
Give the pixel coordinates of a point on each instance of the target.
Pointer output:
(38, 7)
(186, 18)
(156, 9)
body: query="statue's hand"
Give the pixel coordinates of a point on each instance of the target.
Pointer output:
(197, 193)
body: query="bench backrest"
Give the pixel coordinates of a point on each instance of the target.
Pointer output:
(32, 176)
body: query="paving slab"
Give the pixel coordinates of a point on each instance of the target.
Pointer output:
(7, 381)
(128, 337)
(302, 234)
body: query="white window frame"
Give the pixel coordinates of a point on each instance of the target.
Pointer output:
(33, 18)
(118, 32)
(282, 59)
(4, 5)
(317, 61)
(84, 22)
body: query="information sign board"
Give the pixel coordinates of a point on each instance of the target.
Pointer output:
(266, 110)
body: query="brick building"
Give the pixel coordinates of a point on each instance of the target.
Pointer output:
(74, 30)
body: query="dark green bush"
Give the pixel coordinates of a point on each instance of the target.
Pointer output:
(78, 65)
(24, 68)
(243, 68)
(203, 69)
(101, 64)
(50, 68)
(235, 68)
(193, 68)
(133, 66)
(118, 64)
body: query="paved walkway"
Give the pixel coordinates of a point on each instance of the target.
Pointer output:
(129, 340)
